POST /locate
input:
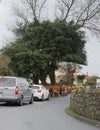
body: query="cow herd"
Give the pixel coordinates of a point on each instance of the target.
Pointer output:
(57, 90)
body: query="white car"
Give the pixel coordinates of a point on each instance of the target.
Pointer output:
(40, 92)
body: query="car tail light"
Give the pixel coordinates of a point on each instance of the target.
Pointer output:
(16, 90)
(39, 90)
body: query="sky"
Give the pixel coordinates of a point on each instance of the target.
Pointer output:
(92, 45)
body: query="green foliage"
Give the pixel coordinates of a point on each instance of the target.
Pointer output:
(4, 65)
(42, 46)
(63, 83)
(91, 81)
(81, 78)
(70, 111)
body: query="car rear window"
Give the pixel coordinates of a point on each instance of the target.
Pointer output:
(35, 87)
(7, 82)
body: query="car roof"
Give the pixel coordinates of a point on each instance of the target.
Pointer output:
(10, 77)
(37, 85)
(7, 77)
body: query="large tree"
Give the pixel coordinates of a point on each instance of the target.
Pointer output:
(43, 46)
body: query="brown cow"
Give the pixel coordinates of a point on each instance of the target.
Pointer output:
(64, 90)
(54, 90)
(48, 87)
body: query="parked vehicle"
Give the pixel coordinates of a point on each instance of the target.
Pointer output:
(15, 89)
(40, 92)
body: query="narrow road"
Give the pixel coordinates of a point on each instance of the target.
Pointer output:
(46, 115)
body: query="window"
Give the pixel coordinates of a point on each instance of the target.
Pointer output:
(7, 82)
(35, 87)
(22, 82)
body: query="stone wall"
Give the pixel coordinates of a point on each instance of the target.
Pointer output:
(86, 103)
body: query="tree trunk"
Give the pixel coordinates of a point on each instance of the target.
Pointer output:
(43, 80)
(35, 80)
(52, 76)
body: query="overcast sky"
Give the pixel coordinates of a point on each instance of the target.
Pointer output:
(92, 46)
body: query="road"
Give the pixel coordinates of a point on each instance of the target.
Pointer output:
(46, 115)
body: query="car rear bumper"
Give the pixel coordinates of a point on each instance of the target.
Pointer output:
(37, 97)
(7, 99)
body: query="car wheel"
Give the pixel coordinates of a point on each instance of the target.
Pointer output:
(20, 103)
(31, 100)
(42, 97)
(48, 97)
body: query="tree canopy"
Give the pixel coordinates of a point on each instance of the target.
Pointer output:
(42, 46)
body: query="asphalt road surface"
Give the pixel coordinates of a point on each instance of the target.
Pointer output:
(46, 115)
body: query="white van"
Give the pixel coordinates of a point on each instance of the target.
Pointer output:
(15, 89)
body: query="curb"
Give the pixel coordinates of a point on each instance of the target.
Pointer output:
(82, 118)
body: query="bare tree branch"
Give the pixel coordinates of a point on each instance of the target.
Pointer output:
(65, 7)
(41, 7)
(83, 13)
(88, 13)
(33, 6)
(69, 6)
(30, 9)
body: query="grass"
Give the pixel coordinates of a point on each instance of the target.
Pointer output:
(69, 110)
(74, 114)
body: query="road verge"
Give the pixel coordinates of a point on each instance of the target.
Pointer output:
(82, 118)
